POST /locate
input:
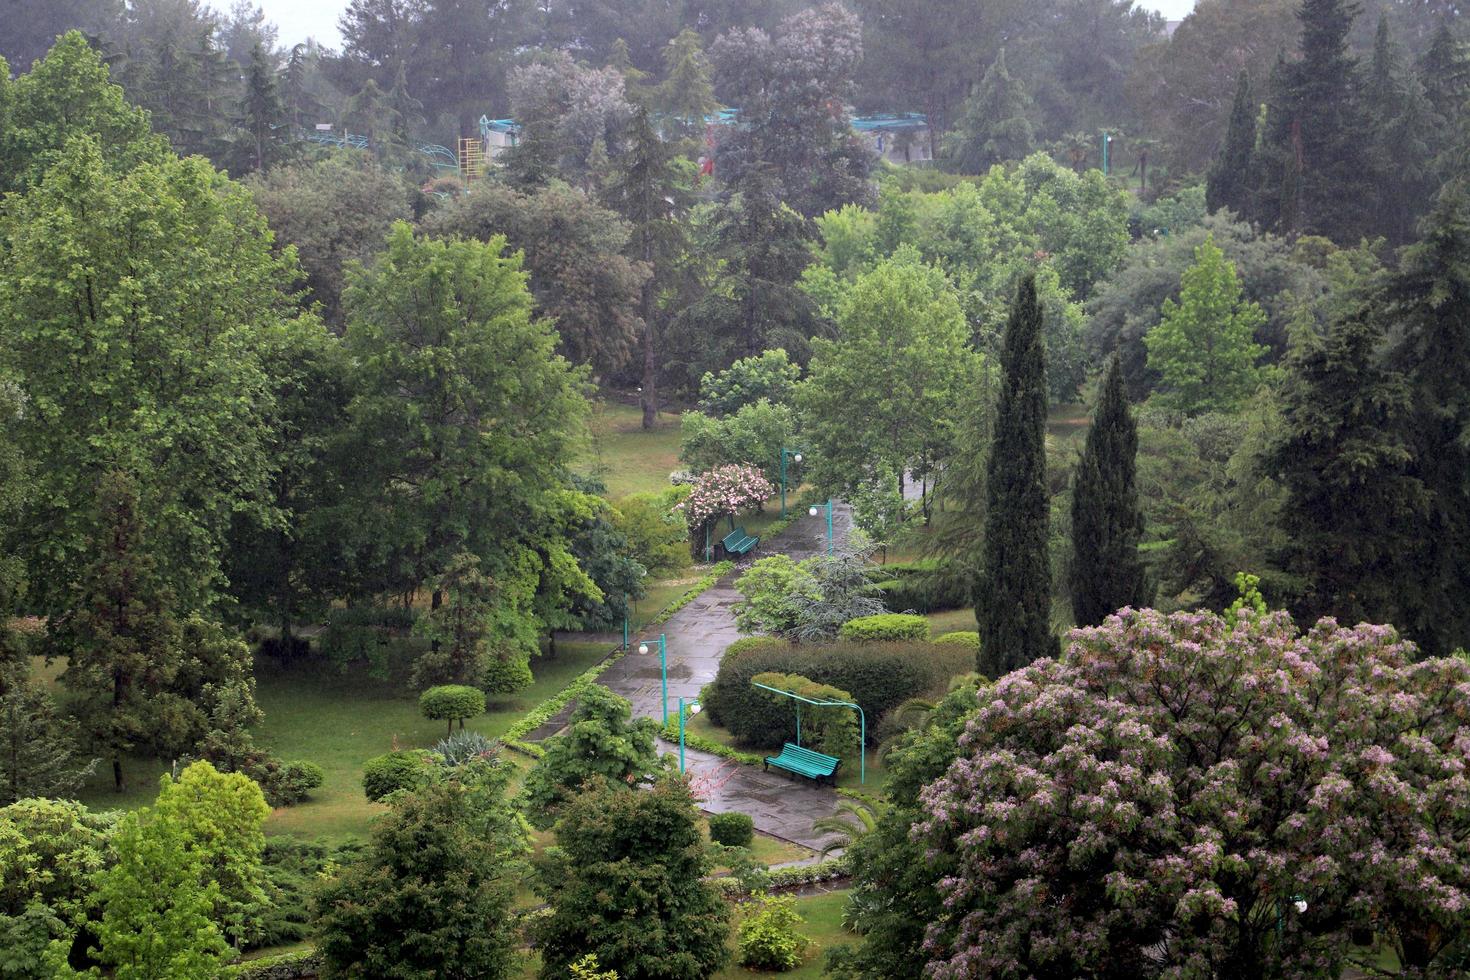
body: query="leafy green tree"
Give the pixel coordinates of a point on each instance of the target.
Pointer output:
(171, 296)
(1106, 571)
(602, 551)
(658, 538)
(432, 894)
(1013, 593)
(1426, 307)
(755, 435)
(770, 375)
(67, 94)
(122, 642)
(602, 742)
(443, 331)
(574, 254)
(335, 211)
(1229, 177)
(571, 119)
(626, 883)
(1204, 347)
(219, 819)
(883, 397)
(995, 124)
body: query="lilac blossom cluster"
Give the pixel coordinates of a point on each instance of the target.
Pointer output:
(725, 490)
(1180, 797)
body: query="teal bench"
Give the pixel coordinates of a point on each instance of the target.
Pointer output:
(737, 542)
(805, 762)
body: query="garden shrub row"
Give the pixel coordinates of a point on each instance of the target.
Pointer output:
(880, 677)
(295, 965)
(923, 587)
(885, 628)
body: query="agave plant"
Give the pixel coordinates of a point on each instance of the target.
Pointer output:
(462, 748)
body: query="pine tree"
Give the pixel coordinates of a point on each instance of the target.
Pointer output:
(1013, 594)
(1318, 162)
(647, 192)
(1428, 306)
(37, 754)
(1403, 125)
(995, 126)
(1107, 573)
(122, 641)
(686, 95)
(1228, 183)
(1344, 463)
(265, 136)
(1444, 72)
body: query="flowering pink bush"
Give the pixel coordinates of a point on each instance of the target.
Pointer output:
(725, 490)
(1176, 797)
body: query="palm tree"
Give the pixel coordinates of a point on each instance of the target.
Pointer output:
(851, 821)
(1078, 147)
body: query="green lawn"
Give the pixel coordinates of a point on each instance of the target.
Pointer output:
(951, 620)
(339, 721)
(625, 456)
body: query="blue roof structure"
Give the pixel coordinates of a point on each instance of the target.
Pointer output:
(890, 121)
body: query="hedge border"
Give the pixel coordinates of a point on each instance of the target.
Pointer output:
(514, 737)
(792, 876)
(700, 743)
(282, 966)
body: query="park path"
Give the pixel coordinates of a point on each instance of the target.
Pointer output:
(697, 636)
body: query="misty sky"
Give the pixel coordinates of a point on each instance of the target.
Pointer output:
(300, 19)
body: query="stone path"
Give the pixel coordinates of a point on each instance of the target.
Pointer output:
(697, 636)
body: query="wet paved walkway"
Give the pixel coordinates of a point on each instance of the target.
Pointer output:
(697, 636)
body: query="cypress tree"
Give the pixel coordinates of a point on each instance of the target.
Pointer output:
(1228, 182)
(1344, 463)
(1013, 593)
(1106, 572)
(1403, 125)
(1428, 306)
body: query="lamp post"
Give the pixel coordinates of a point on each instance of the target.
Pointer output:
(694, 709)
(813, 511)
(1107, 139)
(663, 666)
(796, 458)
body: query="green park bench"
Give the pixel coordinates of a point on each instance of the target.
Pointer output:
(805, 762)
(737, 542)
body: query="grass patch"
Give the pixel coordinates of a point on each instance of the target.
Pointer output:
(625, 456)
(950, 621)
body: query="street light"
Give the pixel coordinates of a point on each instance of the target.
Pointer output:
(663, 666)
(813, 512)
(796, 458)
(694, 709)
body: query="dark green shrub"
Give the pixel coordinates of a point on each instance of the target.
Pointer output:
(362, 635)
(452, 702)
(880, 676)
(923, 587)
(885, 628)
(388, 773)
(291, 782)
(731, 829)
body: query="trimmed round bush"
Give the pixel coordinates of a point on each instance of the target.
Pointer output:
(294, 781)
(885, 628)
(451, 703)
(731, 829)
(969, 639)
(385, 774)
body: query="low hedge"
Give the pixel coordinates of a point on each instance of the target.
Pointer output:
(923, 587)
(880, 677)
(731, 829)
(969, 639)
(885, 628)
(791, 876)
(294, 965)
(700, 743)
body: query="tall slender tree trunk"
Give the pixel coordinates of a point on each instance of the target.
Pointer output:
(649, 395)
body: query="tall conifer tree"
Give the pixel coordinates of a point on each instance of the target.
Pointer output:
(996, 124)
(1228, 184)
(1106, 572)
(1013, 594)
(1344, 463)
(1429, 307)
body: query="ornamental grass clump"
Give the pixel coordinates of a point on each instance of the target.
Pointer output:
(1181, 796)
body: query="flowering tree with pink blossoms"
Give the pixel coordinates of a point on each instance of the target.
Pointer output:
(724, 492)
(1180, 797)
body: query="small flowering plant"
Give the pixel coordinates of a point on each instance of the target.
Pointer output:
(1184, 796)
(725, 491)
